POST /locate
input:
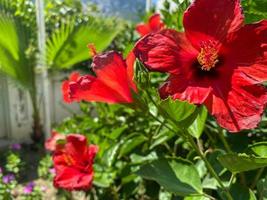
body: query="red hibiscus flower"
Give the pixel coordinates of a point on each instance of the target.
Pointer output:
(113, 82)
(51, 143)
(218, 61)
(73, 163)
(154, 24)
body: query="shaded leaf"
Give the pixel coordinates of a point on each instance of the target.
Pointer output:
(175, 175)
(241, 162)
(131, 143)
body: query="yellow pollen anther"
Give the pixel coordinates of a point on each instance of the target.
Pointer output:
(208, 56)
(69, 160)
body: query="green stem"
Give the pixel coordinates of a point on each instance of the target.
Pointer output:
(258, 175)
(209, 167)
(224, 141)
(190, 139)
(229, 150)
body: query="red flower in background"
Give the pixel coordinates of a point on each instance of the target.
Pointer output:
(154, 24)
(51, 143)
(113, 82)
(73, 163)
(218, 61)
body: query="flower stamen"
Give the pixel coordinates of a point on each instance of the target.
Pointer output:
(208, 56)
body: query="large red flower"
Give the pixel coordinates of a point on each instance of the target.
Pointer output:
(154, 24)
(73, 163)
(113, 82)
(218, 61)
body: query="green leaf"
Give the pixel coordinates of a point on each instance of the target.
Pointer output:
(175, 175)
(104, 179)
(161, 138)
(110, 155)
(260, 149)
(68, 44)
(131, 143)
(177, 110)
(262, 188)
(16, 60)
(240, 192)
(197, 127)
(117, 132)
(196, 198)
(241, 162)
(139, 159)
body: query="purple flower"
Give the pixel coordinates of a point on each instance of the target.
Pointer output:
(8, 178)
(16, 146)
(29, 188)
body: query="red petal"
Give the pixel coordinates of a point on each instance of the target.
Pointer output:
(130, 61)
(212, 19)
(142, 29)
(111, 71)
(248, 49)
(70, 178)
(185, 89)
(74, 76)
(241, 108)
(155, 23)
(166, 51)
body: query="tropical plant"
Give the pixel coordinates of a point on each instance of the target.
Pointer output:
(66, 46)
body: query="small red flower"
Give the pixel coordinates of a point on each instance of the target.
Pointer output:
(113, 82)
(73, 163)
(51, 143)
(218, 61)
(154, 24)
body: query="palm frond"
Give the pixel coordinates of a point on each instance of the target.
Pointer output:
(68, 44)
(14, 43)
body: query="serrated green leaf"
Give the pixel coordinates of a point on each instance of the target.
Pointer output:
(175, 175)
(177, 110)
(241, 162)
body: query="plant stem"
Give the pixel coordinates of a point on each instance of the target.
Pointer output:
(190, 139)
(224, 141)
(258, 175)
(208, 165)
(229, 150)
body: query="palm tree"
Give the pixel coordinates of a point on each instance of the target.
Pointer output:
(66, 46)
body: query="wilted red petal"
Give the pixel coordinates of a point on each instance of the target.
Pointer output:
(212, 20)
(165, 51)
(51, 143)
